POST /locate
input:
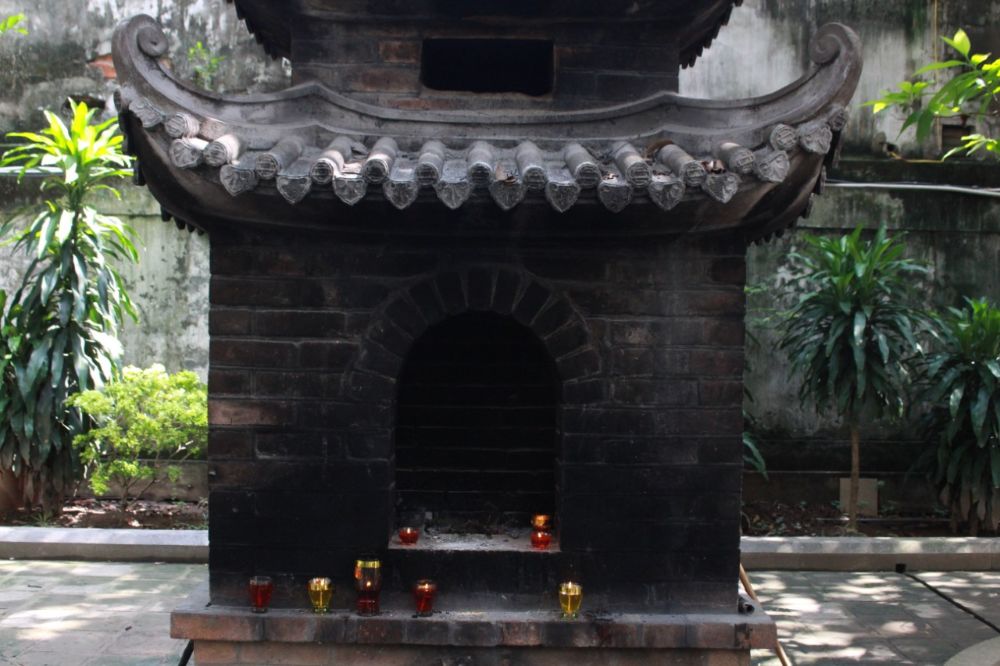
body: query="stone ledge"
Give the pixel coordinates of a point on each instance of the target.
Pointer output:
(209, 653)
(871, 553)
(759, 553)
(122, 545)
(200, 621)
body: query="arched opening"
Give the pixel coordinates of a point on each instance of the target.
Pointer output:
(476, 427)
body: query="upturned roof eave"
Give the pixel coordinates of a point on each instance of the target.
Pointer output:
(722, 160)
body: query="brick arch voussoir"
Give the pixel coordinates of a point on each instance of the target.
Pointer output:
(409, 312)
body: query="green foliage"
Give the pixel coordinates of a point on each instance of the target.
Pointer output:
(13, 23)
(752, 455)
(961, 380)
(146, 418)
(971, 91)
(852, 330)
(204, 65)
(58, 329)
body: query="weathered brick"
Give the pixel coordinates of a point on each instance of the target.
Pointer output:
(654, 392)
(581, 364)
(532, 301)
(231, 382)
(266, 293)
(449, 287)
(567, 340)
(229, 443)
(720, 393)
(552, 318)
(507, 286)
(249, 412)
(480, 281)
(398, 51)
(731, 270)
(407, 317)
(326, 355)
(252, 353)
(426, 299)
(229, 322)
(292, 384)
(299, 324)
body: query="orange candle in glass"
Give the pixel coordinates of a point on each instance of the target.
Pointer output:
(368, 583)
(408, 535)
(423, 595)
(540, 539)
(541, 521)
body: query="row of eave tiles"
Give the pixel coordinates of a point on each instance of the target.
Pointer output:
(666, 175)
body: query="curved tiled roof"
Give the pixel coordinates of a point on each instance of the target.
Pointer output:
(722, 162)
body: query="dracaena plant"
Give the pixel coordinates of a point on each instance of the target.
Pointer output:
(961, 380)
(852, 331)
(60, 325)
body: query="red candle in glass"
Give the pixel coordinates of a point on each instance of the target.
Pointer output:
(540, 539)
(408, 535)
(423, 595)
(368, 583)
(261, 588)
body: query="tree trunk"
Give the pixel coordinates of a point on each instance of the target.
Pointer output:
(10, 492)
(852, 499)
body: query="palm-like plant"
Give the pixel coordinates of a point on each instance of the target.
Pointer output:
(852, 331)
(962, 423)
(58, 329)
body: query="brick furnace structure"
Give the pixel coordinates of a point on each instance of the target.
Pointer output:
(481, 261)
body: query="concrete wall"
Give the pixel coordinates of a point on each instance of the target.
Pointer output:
(763, 48)
(67, 53)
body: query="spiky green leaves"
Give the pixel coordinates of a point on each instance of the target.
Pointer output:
(60, 326)
(962, 392)
(852, 329)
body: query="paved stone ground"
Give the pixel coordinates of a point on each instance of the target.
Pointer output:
(94, 614)
(837, 618)
(91, 614)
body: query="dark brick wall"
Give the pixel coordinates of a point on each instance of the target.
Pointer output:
(380, 61)
(308, 343)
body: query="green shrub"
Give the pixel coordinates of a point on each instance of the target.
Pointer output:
(145, 419)
(962, 422)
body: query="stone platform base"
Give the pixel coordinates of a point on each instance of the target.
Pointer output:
(481, 637)
(211, 653)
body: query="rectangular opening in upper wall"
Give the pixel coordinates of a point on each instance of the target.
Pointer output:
(489, 65)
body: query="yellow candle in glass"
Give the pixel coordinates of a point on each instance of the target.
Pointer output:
(570, 598)
(320, 594)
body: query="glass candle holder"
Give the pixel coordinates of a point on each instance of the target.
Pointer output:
(570, 598)
(320, 594)
(540, 539)
(423, 596)
(541, 521)
(408, 535)
(261, 589)
(368, 583)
